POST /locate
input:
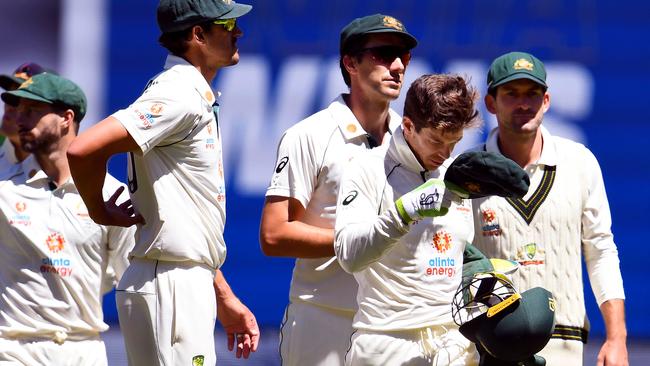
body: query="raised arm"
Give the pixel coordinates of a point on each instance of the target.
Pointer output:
(88, 155)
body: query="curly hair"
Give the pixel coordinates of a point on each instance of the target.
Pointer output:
(442, 101)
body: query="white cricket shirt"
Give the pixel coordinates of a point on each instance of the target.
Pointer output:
(312, 155)
(176, 181)
(56, 262)
(7, 155)
(564, 215)
(407, 275)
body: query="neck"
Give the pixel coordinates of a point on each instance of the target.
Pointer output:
(54, 162)
(372, 115)
(523, 151)
(208, 72)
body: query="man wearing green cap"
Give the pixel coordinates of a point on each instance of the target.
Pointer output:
(300, 208)
(56, 262)
(10, 151)
(166, 299)
(401, 230)
(564, 215)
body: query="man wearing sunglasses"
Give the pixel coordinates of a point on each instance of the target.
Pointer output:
(300, 208)
(166, 298)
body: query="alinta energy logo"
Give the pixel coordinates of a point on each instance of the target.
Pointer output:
(55, 243)
(21, 217)
(490, 227)
(441, 266)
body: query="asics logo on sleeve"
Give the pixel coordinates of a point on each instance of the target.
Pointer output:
(283, 162)
(429, 199)
(350, 197)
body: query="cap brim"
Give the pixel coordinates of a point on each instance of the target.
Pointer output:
(522, 75)
(237, 11)
(12, 97)
(7, 81)
(411, 42)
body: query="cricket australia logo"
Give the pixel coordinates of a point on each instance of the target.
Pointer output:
(530, 254)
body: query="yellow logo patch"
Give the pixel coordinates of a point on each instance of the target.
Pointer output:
(27, 83)
(391, 22)
(351, 128)
(523, 64)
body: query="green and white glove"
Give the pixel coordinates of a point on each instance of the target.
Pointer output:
(431, 199)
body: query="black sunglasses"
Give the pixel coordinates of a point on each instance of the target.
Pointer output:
(387, 54)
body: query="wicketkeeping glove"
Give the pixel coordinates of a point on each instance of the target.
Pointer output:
(431, 199)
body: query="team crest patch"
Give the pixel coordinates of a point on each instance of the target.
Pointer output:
(530, 254)
(442, 241)
(55, 242)
(26, 83)
(473, 187)
(523, 64)
(490, 225)
(391, 22)
(198, 360)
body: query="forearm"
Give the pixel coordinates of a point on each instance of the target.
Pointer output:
(297, 239)
(89, 172)
(360, 244)
(222, 290)
(613, 312)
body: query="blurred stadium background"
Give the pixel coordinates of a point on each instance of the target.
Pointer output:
(596, 53)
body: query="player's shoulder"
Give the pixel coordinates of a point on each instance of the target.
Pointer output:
(569, 148)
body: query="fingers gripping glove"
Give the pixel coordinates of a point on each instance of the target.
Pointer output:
(431, 199)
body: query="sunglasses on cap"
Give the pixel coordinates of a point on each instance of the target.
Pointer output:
(228, 24)
(387, 54)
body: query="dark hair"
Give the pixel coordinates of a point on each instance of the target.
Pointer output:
(353, 48)
(441, 101)
(177, 43)
(60, 109)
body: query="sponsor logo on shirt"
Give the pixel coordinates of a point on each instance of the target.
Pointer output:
(60, 266)
(20, 218)
(156, 109)
(530, 254)
(146, 119)
(441, 266)
(350, 197)
(283, 162)
(55, 242)
(221, 194)
(210, 143)
(490, 226)
(442, 241)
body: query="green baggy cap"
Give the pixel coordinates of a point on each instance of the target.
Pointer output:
(376, 23)
(51, 89)
(483, 173)
(516, 65)
(177, 15)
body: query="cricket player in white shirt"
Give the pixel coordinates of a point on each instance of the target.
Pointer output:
(56, 263)
(564, 215)
(166, 299)
(401, 231)
(300, 207)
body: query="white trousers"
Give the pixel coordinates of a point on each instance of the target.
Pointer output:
(315, 336)
(167, 313)
(436, 345)
(90, 352)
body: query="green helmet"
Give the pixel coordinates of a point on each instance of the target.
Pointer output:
(507, 325)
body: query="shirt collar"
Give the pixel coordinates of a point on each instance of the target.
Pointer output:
(35, 177)
(402, 153)
(348, 123)
(549, 153)
(191, 74)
